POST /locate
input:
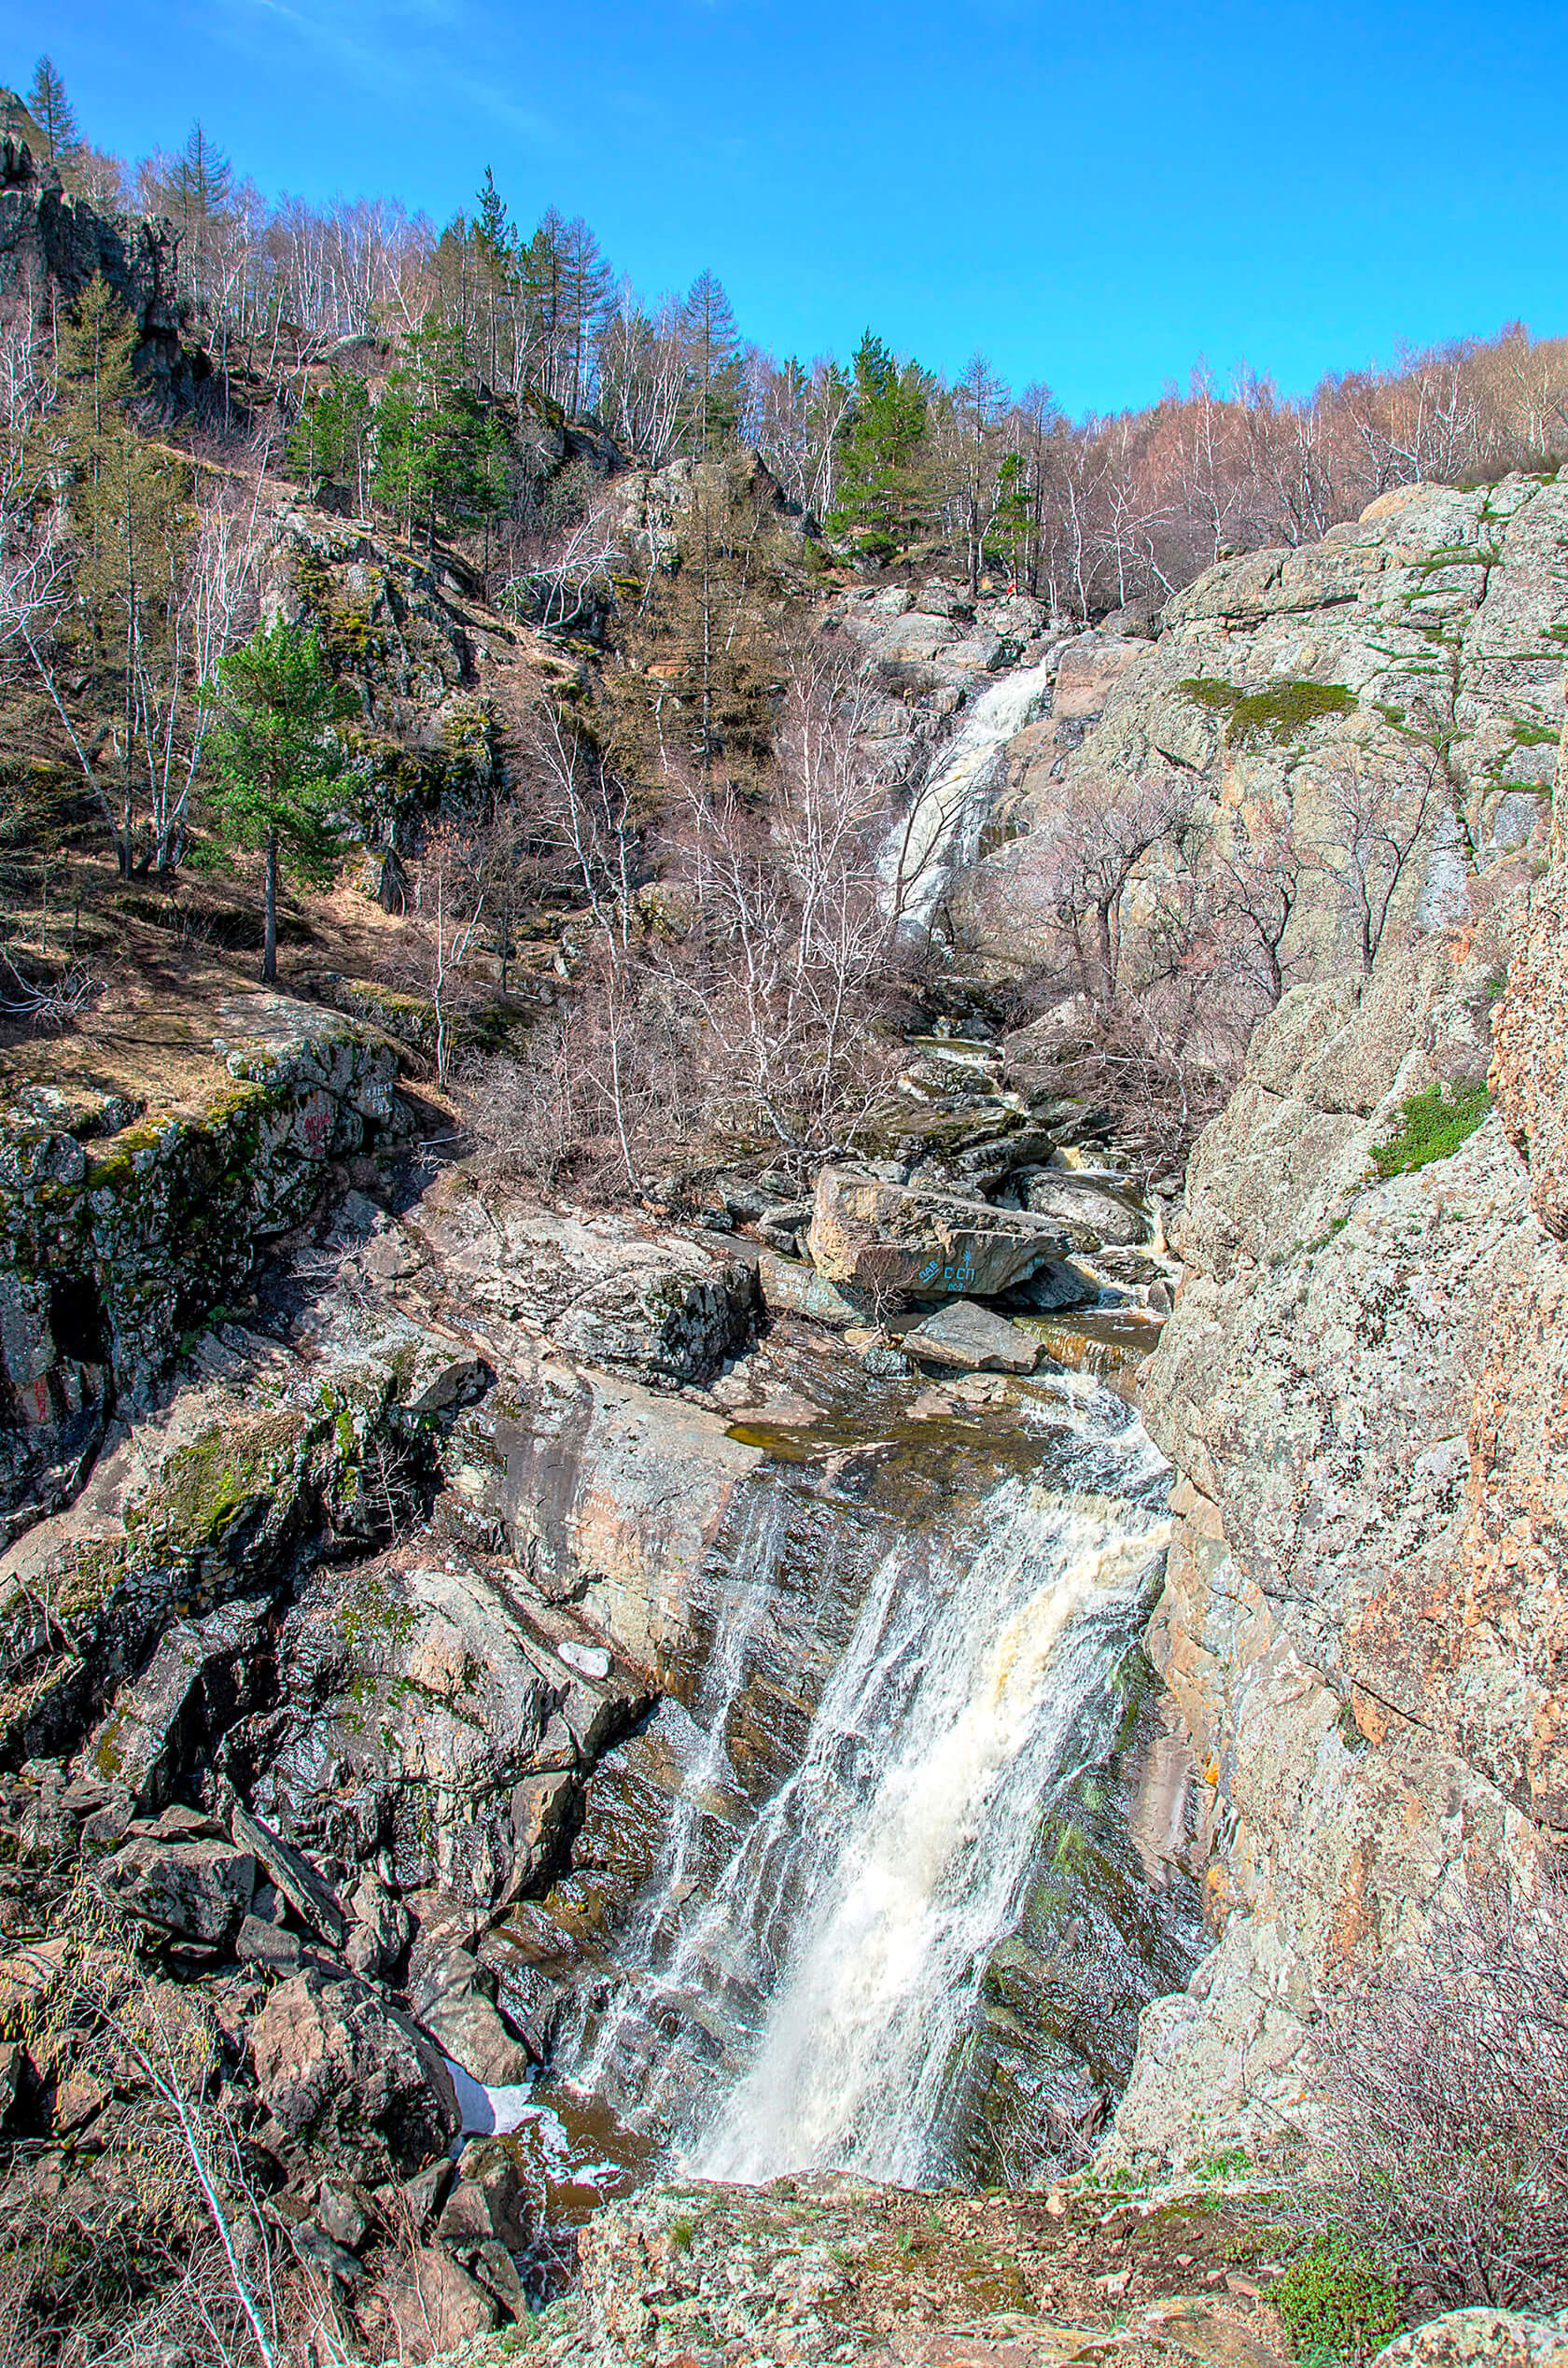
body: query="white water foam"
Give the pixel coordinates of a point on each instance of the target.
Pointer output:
(942, 829)
(964, 1718)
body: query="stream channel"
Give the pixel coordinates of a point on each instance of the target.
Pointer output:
(887, 1878)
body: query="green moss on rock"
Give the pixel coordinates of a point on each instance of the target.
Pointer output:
(1276, 716)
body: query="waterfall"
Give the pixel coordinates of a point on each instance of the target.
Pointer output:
(941, 831)
(811, 2004)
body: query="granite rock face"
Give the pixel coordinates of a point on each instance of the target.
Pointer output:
(1365, 1391)
(657, 1304)
(1413, 651)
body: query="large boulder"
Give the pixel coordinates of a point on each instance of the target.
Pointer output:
(451, 1996)
(1480, 2338)
(182, 1693)
(608, 1290)
(343, 2072)
(195, 1889)
(790, 1287)
(972, 1339)
(889, 1239)
(1098, 1215)
(433, 2305)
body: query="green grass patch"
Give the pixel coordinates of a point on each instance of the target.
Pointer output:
(1432, 1127)
(1337, 2304)
(1462, 554)
(1277, 715)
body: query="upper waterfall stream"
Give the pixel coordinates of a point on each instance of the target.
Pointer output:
(942, 828)
(807, 1974)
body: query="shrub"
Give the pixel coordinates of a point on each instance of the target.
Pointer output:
(1276, 715)
(1337, 2304)
(1432, 1127)
(1442, 2080)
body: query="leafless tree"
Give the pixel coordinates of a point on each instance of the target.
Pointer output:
(789, 974)
(444, 921)
(1079, 872)
(107, 2016)
(1380, 817)
(212, 602)
(1257, 870)
(1441, 2084)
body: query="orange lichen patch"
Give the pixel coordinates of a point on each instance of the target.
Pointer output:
(1353, 1919)
(1218, 1895)
(1374, 1718)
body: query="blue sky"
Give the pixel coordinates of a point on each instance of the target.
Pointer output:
(1093, 195)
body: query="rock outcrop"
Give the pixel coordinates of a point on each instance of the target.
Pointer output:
(53, 244)
(1411, 655)
(1363, 1389)
(120, 1232)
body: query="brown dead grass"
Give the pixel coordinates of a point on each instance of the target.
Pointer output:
(173, 979)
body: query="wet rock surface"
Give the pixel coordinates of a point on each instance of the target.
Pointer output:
(371, 1671)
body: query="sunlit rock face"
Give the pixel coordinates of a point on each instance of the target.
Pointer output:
(1363, 1388)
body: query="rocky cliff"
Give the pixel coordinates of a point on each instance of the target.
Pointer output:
(1409, 663)
(1363, 1385)
(53, 244)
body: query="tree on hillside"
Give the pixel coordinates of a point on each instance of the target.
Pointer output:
(129, 505)
(567, 285)
(713, 363)
(441, 452)
(197, 192)
(641, 375)
(978, 404)
(332, 438)
(53, 112)
(276, 762)
(878, 503)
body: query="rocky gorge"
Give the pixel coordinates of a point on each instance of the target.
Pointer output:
(910, 1675)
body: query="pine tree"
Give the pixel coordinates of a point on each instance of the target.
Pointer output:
(543, 264)
(1014, 516)
(441, 457)
(129, 505)
(713, 363)
(585, 284)
(331, 437)
(879, 502)
(199, 189)
(278, 762)
(492, 228)
(53, 112)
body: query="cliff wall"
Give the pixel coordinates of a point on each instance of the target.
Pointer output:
(1363, 1389)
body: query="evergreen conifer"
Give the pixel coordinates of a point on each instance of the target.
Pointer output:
(278, 762)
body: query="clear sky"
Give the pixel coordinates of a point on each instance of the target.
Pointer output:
(1093, 195)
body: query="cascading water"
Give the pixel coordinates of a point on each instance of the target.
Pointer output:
(813, 1999)
(941, 831)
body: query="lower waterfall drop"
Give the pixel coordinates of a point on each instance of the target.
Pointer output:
(815, 2003)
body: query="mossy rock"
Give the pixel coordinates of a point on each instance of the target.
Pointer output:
(1433, 1125)
(203, 1488)
(1275, 715)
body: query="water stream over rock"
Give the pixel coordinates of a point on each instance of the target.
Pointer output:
(861, 1839)
(942, 829)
